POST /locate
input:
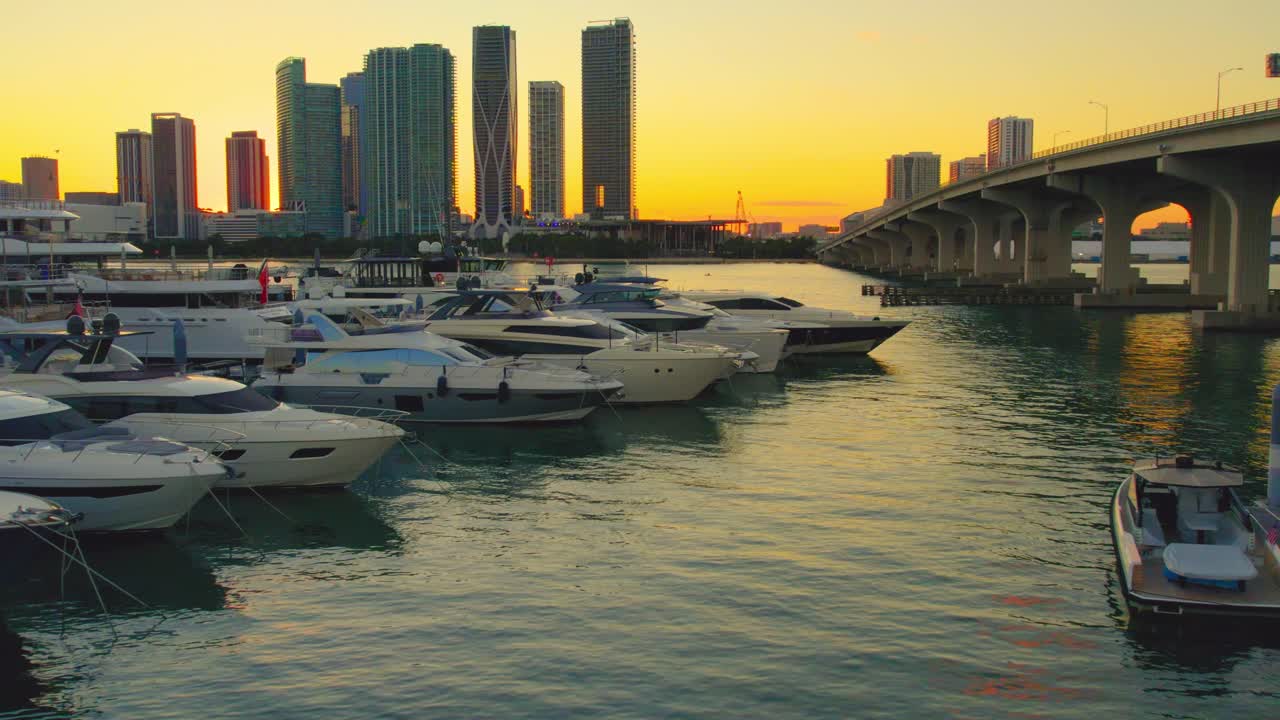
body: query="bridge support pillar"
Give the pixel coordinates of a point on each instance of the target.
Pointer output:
(879, 251)
(1039, 210)
(1118, 198)
(945, 225)
(897, 244)
(921, 236)
(980, 235)
(1062, 223)
(1210, 238)
(1249, 188)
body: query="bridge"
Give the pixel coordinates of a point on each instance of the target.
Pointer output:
(1014, 223)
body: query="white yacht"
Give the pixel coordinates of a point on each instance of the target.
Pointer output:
(430, 377)
(273, 444)
(513, 324)
(111, 478)
(840, 331)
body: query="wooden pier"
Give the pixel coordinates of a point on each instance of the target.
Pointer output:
(896, 295)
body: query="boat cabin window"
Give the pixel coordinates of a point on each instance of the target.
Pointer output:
(593, 331)
(620, 296)
(791, 303)
(41, 427)
(106, 408)
(751, 304)
(378, 361)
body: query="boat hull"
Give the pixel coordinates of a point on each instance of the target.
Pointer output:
(649, 378)
(134, 504)
(852, 339)
(458, 405)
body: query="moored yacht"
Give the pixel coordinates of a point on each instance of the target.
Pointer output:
(111, 478)
(272, 443)
(514, 324)
(28, 525)
(430, 377)
(838, 332)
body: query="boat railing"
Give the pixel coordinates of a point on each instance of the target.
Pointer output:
(178, 273)
(385, 415)
(30, 447)
(35, 270)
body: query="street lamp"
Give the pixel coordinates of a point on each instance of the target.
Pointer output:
(1106, 116)
(1054, 144)
(1217, 105)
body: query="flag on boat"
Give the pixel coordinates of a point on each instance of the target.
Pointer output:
(263, 279)
(78, 309)
(1273, 535)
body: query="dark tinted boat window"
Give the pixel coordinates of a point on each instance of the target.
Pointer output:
(41, 427)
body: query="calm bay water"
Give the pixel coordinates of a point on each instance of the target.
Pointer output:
(920, 533)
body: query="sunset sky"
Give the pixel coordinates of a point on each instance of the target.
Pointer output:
(795, 104)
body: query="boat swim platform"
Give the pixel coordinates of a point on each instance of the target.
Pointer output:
(1152, 588)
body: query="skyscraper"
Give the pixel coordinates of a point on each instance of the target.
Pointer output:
(1008, 141)
(966, 168)
(174, 211)
(911, 175)
(493, 107)
(609, 119)
(354, 196)
(409, 170)
(134, 166)
(40, 178)
(248, 184)
(309, 127)
(546, 149)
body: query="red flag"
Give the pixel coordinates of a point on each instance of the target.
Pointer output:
(78, 309)
(263, 279)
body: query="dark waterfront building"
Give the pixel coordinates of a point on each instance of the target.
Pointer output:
(609, 120)
(248, 181)
(40, 178)
(91, 198)
(134, 165)
(309, 127)
(174, 210)
(493, 104)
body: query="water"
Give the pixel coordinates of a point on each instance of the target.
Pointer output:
(917, 534)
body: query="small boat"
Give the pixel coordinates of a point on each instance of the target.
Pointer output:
(28, 525)
(115, 480)
(1186, 543)
(838, 331)
(430, 377)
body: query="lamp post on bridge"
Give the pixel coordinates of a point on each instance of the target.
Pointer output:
(1106, 116)
(1217, 105)
(1054, 144)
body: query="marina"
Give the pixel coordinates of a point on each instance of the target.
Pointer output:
(782, 537)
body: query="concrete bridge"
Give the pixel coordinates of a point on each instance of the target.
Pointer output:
(1014, 224)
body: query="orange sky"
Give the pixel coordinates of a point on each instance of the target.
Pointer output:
(796, 105)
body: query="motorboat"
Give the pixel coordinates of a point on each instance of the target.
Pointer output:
(511, 323)
(678, 319)
(839, 331)
(28, 525)
(111, 478)
(1185, 542)
(430, 377)
(273, 444)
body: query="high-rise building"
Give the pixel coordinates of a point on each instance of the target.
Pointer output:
(609, 120)
(309, 130)
(493, 109)
(174, 210)
(134, 165)
(546, 149)
(409, 171)
(354, 196)
(911, 175)
(966, 168)
(11, 190)
(1008, 141)
(40, 178)
(248, 181)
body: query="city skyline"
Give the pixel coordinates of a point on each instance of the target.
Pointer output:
(812, 152)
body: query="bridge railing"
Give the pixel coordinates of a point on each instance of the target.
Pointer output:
(1204, 118)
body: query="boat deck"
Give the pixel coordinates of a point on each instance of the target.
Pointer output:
(1150, 583)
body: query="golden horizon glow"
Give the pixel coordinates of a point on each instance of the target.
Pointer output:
(795, 107)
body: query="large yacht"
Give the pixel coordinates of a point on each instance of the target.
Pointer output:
(109, 477)
(514, 324)
(840, 331)
(430, 377)
(273, 444)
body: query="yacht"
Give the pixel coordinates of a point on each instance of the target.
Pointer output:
(432, 378)
(28, 525)
(679, 319)
(112, 479)
(839, 331)
(511, 323)
(434, 268)
(273, 444)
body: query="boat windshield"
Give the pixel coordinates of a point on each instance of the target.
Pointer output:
(17, 430)
(611, 296)
(790, 302)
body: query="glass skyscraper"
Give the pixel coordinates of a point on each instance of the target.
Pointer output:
(354, 195)
(174, 212)
(493, 107)
(309, 126)
(546, 149)
(409, 167)
(609, 120)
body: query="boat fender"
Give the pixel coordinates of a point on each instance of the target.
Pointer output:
(578, 279)
(504, 391)
(475, 282)
(442, 386)
(439, 278)
(461, 283)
